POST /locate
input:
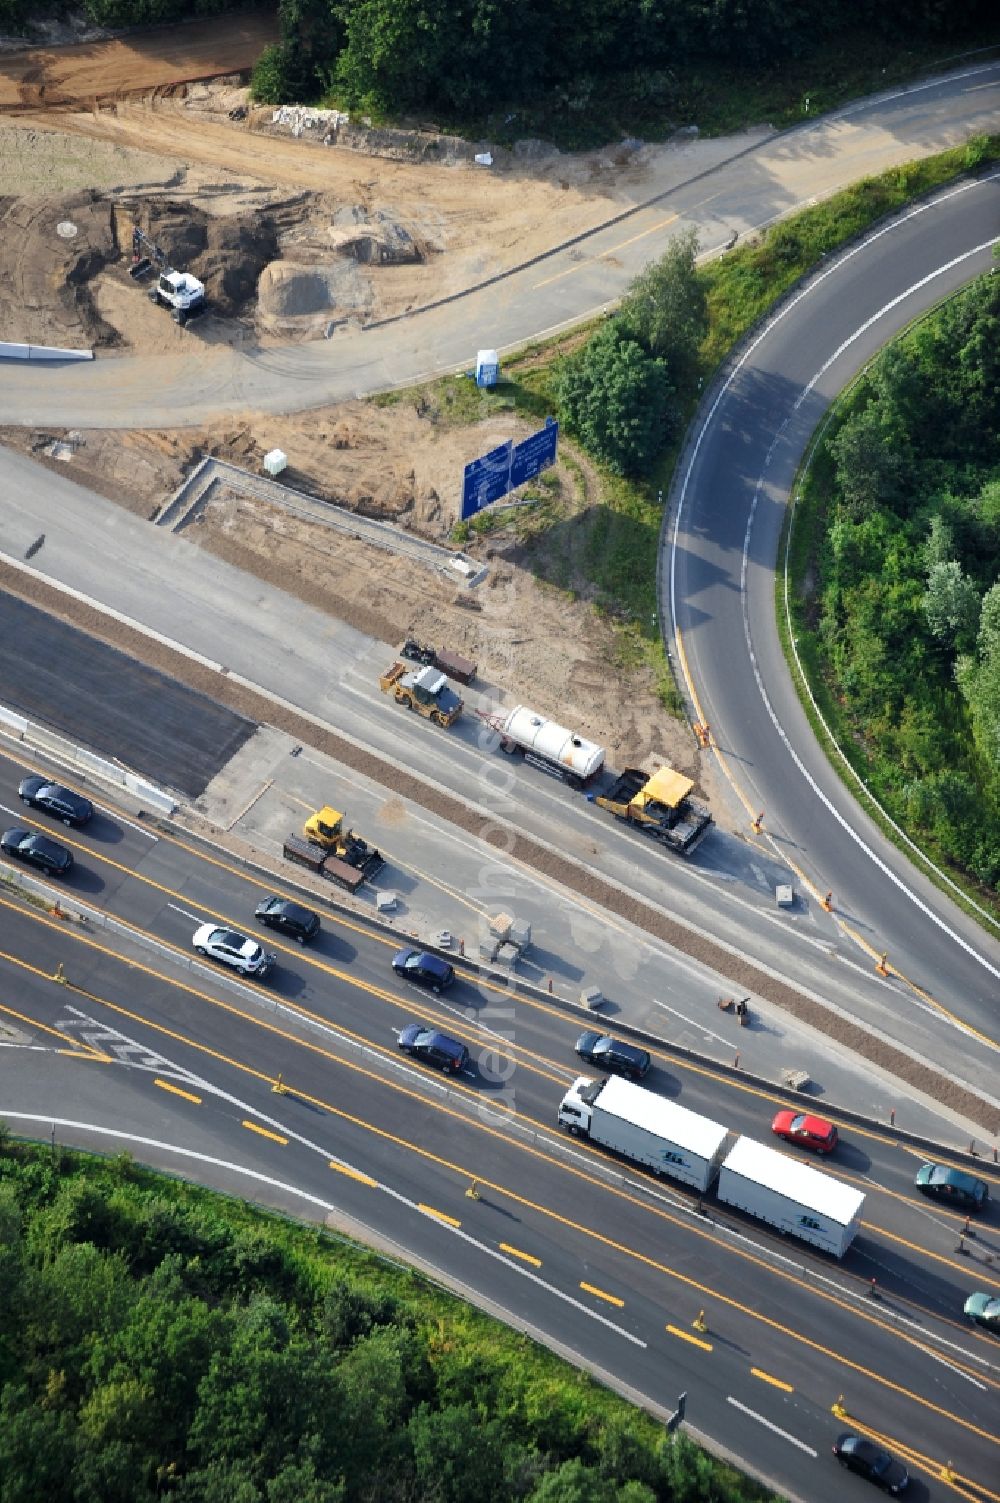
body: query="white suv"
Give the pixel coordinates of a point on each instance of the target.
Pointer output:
(243, 954)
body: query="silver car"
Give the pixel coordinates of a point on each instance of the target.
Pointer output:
(245, 955)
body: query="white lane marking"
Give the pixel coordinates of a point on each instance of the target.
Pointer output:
(956, 1370)
(695, 451)
(792, 1439)
(325, 1205)
(121, 820)
(699, 1026)
(194, 917)
(524, 1272)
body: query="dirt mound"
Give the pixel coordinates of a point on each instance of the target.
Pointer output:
(53, 251)
(227, 254)
(288, 291)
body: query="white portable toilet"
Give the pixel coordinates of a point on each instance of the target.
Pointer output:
(275, 460)
(487, 368)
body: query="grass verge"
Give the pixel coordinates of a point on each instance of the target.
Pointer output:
(601, 544)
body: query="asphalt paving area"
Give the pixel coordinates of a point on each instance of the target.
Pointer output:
(113, 704)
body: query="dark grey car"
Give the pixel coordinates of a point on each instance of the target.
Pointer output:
(40, 793)
(38, 850)
(289, 918)
(614, 1055)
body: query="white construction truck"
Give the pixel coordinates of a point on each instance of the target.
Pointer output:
(546, 744)
(797, 1199)
(179, 291)
(645, 1128)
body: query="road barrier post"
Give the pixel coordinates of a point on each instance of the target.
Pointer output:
(837, 1407)
(60, 974)
(828, 902)
(472, 1193)
(279, 1088)
(882, 969)
(758, 822)
(699, 1321)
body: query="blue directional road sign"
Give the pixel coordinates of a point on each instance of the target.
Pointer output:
(486, 479)
(534, 454)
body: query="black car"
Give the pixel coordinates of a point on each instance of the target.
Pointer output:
(952, 1186)
(426, 970)
(611, 1054)
(288, 918)
(37, 850)
(871, 1461)
(433, 1048)
(72, 808)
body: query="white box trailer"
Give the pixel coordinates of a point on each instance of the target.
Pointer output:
(645, 1128)
(794, 1197)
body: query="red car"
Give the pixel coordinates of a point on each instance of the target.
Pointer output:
(807, 1132)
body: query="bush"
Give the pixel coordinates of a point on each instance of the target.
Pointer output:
(616, 398)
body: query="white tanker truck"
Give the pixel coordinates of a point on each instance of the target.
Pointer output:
(547, 745)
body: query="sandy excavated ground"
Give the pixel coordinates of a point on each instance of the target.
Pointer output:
(290, 235)
(535, 641)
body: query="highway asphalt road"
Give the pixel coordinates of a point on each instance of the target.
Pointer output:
(605, 1261)
(718, 568)
(330, 671)
(769, 177)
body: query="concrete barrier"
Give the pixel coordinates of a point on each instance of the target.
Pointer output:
(10, 351)
(153, 799)
(13, 721)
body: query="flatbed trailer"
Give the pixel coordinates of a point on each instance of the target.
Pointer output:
(307, 853)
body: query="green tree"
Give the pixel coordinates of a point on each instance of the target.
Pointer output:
(665, 309)
(617, 399)
(574, 1482)
(869, 465)
(36, 1450)
(458, 1457)
(951, 605)
(989, 620)
(940, 545)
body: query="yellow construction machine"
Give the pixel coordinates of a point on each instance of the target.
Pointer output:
(326, 828)
(425, 690)
(660, 805)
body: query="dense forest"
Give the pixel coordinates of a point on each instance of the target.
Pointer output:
(900, 592)
(157, 1341)
(580, 70)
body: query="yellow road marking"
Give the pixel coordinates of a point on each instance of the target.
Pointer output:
(758, 1372)
(706, 1346)
(265, 1132)
(844, 927)
(526, 1257)
(465, 1175)
(309, 1016)
(75, 1045)
(94, 1058)
(918, 1458)
(174, 1090)
(603, 255)
(438, 1215)
(362, 1179)
(612, 1299)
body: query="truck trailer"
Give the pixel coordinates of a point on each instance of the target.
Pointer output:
(797, 1199)
(546, 744)
(645, 1128)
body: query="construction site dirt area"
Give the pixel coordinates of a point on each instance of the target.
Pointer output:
(539, 642)
(293, 238)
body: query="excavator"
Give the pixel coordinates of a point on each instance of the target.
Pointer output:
(179, 291)
(326, 828)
